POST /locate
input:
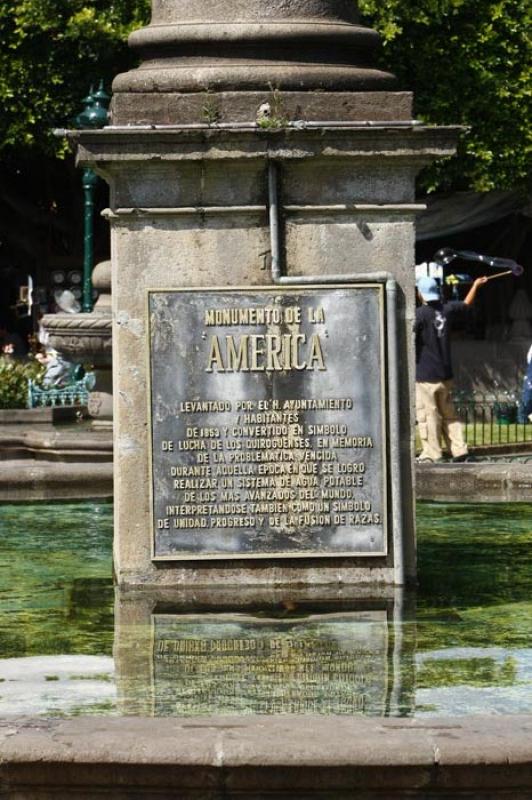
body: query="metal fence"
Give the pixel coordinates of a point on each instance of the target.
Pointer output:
(492, 419)
(75, 394)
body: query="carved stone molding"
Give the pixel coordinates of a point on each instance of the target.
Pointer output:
(227, 46)
(81, 337)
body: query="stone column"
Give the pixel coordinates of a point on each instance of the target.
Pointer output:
(218, 62)
(224, 90)
(101, 397)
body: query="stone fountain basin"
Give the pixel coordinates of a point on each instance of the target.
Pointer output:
(257, 757)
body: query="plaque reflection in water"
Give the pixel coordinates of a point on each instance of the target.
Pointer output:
(333, 664)
(285, 657)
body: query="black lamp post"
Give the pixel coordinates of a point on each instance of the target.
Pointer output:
(94, 115)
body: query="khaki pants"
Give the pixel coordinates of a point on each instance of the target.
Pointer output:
(436, 417)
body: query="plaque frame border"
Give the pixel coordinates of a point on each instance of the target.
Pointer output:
(386, 483)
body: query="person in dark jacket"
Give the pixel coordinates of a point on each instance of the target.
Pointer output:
(435, 412)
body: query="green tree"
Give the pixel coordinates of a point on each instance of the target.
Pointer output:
(52, 50)
(14, 377)
(469, 63)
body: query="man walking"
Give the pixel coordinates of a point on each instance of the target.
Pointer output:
(435, 412)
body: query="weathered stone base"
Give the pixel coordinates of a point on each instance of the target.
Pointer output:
(46, 462)
(199, 575)
(331, 758)
(26, 480)
(474, 483)
(47, 443)
(189, 211)
(175, 108)
(39, 416)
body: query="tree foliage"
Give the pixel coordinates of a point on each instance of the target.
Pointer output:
(52, 50)
(469, 63)
(14, 377)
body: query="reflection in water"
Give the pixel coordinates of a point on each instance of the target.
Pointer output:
(462, 645)
(326, 665)
(56, 594)
(57, 685)
(267, 661)
(474, 609)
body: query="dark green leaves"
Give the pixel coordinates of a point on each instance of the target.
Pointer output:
(469, 63)
(52, 50)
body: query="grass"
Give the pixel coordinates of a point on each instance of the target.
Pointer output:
(495, 433)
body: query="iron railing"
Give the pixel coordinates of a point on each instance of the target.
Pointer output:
(492, 419)
(74, 394)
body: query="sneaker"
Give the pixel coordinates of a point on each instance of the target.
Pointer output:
(462, 458)
(425, 460)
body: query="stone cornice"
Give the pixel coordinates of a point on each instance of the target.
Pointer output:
(95, 323)
(277, 757)
(414, 143)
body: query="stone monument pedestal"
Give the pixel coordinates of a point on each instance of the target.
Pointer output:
(195, 210)
(262, 219)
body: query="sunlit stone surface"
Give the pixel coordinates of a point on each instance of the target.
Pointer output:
(227, 95)
(226, 45)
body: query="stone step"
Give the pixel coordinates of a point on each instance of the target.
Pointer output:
(28, 479)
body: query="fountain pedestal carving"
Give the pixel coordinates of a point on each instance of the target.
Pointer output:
(87, 339)
(262, 220)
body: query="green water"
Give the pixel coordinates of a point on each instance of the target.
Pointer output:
(474, 608)
(56, 593)
(462, 643)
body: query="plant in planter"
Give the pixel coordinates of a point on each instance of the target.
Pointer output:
(14, 377)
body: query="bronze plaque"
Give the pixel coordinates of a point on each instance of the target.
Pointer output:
(268, 425)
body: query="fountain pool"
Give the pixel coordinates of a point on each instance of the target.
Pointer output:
(460, 645)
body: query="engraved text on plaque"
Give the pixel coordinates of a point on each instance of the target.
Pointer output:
(268, 425)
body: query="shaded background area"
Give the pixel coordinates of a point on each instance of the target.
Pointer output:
(41, 232)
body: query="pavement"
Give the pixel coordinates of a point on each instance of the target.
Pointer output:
(476, 482)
